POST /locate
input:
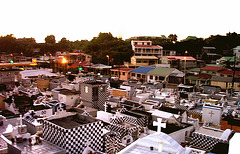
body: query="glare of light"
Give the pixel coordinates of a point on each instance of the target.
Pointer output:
(33, 64)
(64, 60)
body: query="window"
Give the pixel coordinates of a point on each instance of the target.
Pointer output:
(123, 73)
(133, 74)
(148, 43)
(86, 89)
(138, 75)
(156, 77)
(151, 77)
(138, 61)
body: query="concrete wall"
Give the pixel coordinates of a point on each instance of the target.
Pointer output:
(215, 118)
(179, 135)
(119, 92)
(43, 84)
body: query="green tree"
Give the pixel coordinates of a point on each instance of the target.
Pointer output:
(173, 37)
(50, 39)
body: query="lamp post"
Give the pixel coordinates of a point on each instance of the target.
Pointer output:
(185, 64)
(64, 64)
(108, 62)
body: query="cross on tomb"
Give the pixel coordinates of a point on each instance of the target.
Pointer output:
(105, 107)
(20, 120)
(159, 124)
(211, 113)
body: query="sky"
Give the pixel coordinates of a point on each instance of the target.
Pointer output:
(85, 19)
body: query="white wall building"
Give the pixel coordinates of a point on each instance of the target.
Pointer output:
(145, 48)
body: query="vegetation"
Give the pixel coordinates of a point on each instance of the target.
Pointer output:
(118, 50)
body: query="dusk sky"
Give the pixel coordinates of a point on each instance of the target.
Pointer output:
(78, 20)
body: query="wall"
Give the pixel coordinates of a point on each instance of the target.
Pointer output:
(119, 92)
(68, 99)
(2, 103)
(43, 84)
(216, 117)
(179, 135)
(75, 140)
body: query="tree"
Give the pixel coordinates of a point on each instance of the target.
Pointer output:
(50, 39)
(64, 44)
(173, 37)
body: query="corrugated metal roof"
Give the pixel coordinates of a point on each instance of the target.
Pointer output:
(145, 57)
(212, 68)
(180, 58)
(160, 71)
(142, 70)
(221, 79)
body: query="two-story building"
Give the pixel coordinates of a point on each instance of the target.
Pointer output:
(145, 48)
(179, 62)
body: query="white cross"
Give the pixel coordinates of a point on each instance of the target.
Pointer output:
(159, 124)
(105, 107)
(20, 120)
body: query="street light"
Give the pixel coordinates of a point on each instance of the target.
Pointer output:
(64, 64)
(185, 61)
(108, 62)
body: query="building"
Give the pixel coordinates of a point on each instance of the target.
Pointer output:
(94, 94)
(8, 77)
(179, 62)
(236, 51)
(164, 74)
(229, 61)
(74, 132)
(209, 55)
(121, 73)
(145, 48)
(199, 79)
(140, 73)
(143, 61)
(212, 70)
(67, 59)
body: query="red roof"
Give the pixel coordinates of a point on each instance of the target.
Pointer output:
(122, 69)
(148, 46)
(180, 57)
(213, 68)
(229, 72)
(80, 63)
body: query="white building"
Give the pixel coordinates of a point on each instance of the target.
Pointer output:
(145, 48)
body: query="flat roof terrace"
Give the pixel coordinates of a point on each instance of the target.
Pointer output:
(73, 121)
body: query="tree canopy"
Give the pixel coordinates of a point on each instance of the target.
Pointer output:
(118, 50)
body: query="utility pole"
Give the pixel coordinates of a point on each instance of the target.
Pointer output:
(234, 65)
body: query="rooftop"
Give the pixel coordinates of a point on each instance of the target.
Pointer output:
(73, 121)
(180, 58)
(143, 145)
(142, 70)
(148, 46)
(212, 68)
(160, 71)
(145, 57)
(122, 69)
(44, 147)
